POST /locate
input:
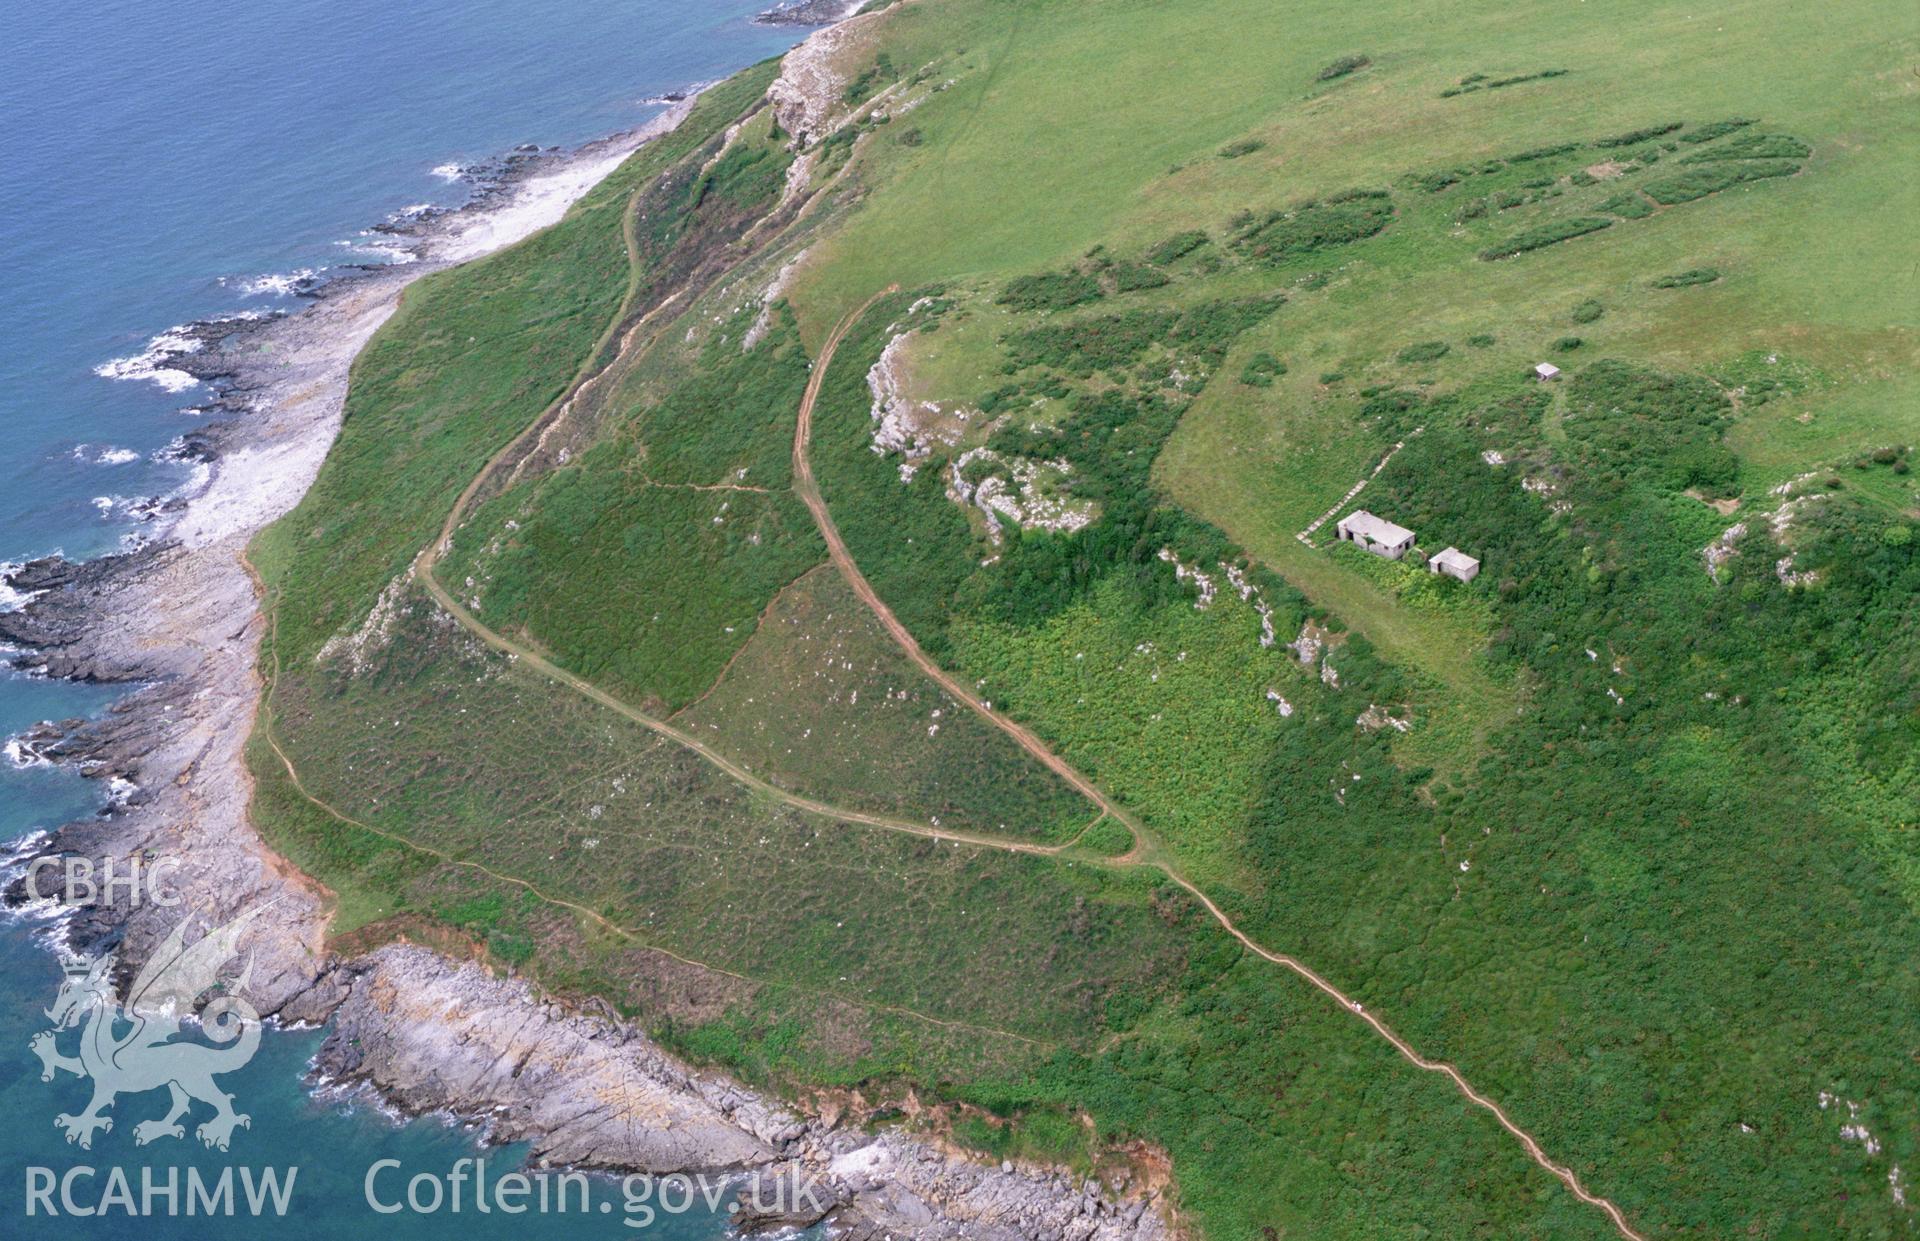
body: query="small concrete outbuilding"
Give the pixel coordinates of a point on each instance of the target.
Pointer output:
(1455, 564)
(1546, 371)
(1375, 534)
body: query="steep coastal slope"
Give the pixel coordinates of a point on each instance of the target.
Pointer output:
(1009, 757)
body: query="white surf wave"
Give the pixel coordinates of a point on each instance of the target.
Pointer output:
(20, 758)
(12, 600)
(282, 284)
(105, 454)
(150, 364)
(382, 246)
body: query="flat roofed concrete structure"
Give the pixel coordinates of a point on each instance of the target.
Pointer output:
(1545, 371)
(1376, 534)
(1454, 563)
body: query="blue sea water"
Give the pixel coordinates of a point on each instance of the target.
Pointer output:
(165, 161)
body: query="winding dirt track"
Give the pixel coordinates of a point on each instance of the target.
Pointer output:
(601, 920)
(809, 492)
(423, 568)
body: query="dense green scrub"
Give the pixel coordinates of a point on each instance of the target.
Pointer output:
(1654, 850)
(1165, 705)
(644, 563)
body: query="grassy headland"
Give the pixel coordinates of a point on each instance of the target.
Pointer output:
(1623, 830)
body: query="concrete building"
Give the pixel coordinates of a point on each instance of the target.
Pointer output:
(1455, 564)
(1546, 371)
(1376, 534)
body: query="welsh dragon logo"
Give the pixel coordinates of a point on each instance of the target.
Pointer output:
(136, 1047)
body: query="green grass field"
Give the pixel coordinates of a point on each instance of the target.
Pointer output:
(1644, 865)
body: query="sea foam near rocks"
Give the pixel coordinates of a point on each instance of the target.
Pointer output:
(154, 363)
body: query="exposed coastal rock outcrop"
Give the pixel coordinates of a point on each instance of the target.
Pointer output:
(434, 1036)
(810, 12)
(808, 94)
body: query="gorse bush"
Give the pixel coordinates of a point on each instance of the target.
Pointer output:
(1716, 129)
(1889, 454)
(1245, 146)
(1050, 290)
(1177, 247)
(1633, 137)
(1114, 342)
(1434, 182)
(1342, 67)
(1628, 206)
(869, 81)
(1633, 423)
(1753, 146)
(1546, 152)
(1542, 235)
(1009, 396)
(1132, 277)
(1261, 370)
(1587, 311)
(1425, 351)
(1480, 81)
(1516, 80)
(1712, 178)
(1692, 276)
(745, 175)
(1315, 225)
(1760, 375)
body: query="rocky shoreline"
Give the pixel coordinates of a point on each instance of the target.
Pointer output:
(810, 12)
(177, 617)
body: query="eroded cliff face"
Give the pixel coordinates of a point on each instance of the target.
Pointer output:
(808, 95)
(589, 1092)
(583, 1090)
